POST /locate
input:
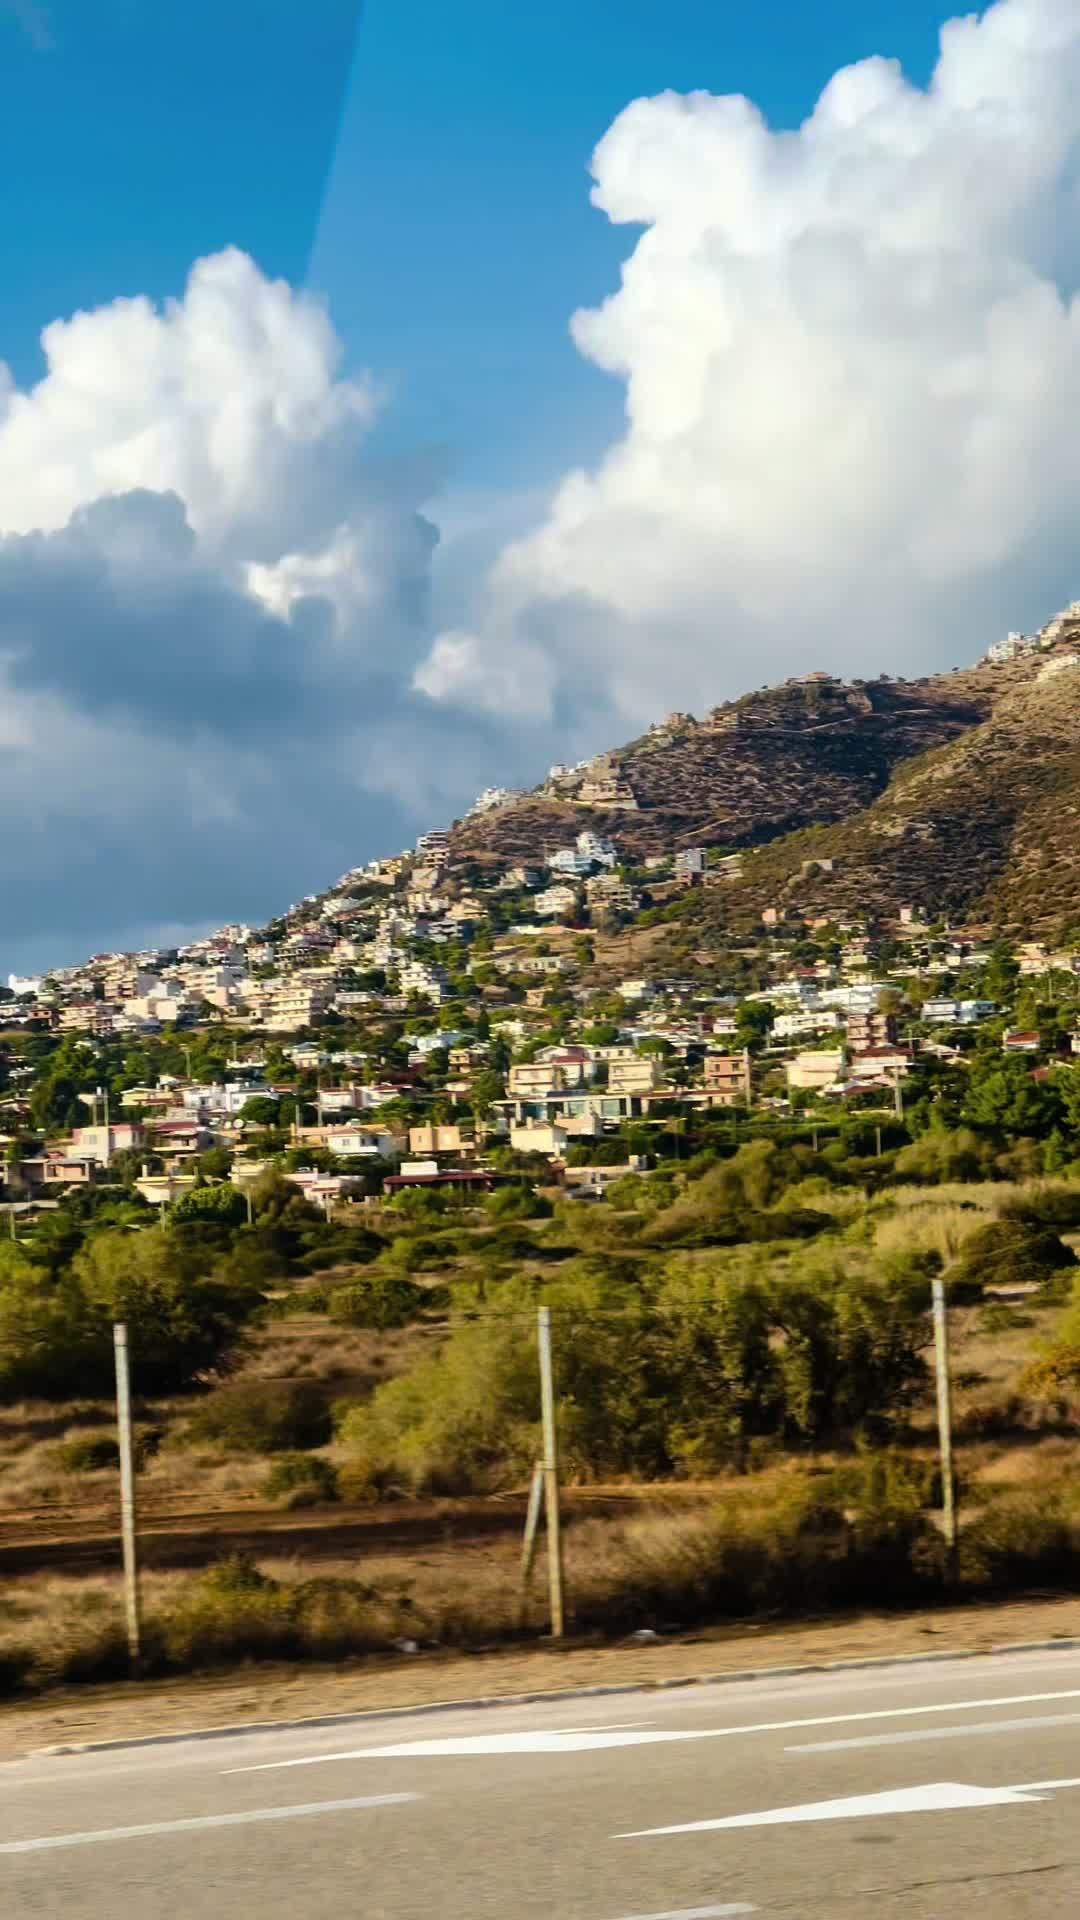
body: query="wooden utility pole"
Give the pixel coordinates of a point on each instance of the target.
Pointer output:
(944, 1414)
(127, 1495)
(532, 1527)
(551, 1474)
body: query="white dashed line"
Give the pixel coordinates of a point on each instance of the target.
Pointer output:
(97, 1835)
(909, 1737)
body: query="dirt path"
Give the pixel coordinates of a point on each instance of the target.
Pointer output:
(91, 1544)
(277, 1692)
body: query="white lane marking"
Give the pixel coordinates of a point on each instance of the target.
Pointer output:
(693, 1913)
(51, 1840)
(471, 1745)
(939, 1796)
(606, 1727)
(937, 1733)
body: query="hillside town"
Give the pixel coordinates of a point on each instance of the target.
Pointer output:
(449, 1015)
(428, 1022)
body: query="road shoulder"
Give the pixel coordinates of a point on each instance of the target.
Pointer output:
(76, 1716)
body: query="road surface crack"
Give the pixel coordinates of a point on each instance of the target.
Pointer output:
(967, 1879)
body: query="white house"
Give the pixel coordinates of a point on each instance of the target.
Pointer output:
(555, 901)
(596, 848)
(814, 1072)
(795, 1026)
(539, 1136)
(23, 983)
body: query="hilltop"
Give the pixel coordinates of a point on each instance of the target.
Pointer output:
(958, 792)
(814, 749)
(984, 825)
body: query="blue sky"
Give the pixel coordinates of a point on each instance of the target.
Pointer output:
(466, 141)
(421, 161)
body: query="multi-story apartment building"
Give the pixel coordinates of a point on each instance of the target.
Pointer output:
(291, 1002)
(727, 1078)
(638, 1074)
(690, 863)
(869, 1027)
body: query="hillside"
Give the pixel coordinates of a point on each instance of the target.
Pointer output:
(813, 750)
(984, 825)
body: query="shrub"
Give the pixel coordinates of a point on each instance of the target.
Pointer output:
(89, 1453)
(1007, 1253)
(256, 1416)
(16, 1669)
(335, 1618)
(928, 1228)
(939, 1155)
(996, 1317)
(464, 1418)
(1022, 1161)
(232, 1611)
(1046, 1206)
(1017, 1541)
(516, 1203)
(795, 1554)
(415, 1252)
(301, 1479)
(380, 1300)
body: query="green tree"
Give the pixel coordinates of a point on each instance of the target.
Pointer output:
(1006, 1100)
(943, 1154)
(1067, 1088)
(486, 1088)
(1001, 974)
(49, 1344)
(752, 1023)
(225, 1205)
(183, 1324)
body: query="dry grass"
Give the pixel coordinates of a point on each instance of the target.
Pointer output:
(786, 1554)
(349, 1362)
(986, 1196)
(929, 1228)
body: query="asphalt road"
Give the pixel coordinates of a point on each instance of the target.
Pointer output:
(950, 1789)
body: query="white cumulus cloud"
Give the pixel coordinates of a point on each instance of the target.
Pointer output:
(851, 356)
(212, 601)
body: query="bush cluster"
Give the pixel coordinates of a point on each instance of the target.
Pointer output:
(259, 1416)
(659, 1372)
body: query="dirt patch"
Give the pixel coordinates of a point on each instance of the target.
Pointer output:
(277, 1692)
(193, 1540)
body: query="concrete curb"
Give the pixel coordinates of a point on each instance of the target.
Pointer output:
(245, 1728)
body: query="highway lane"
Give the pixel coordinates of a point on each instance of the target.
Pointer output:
(904, 1793)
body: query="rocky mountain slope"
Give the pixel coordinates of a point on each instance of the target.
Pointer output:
(958, 794)
(815, 750)
(986, 825)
